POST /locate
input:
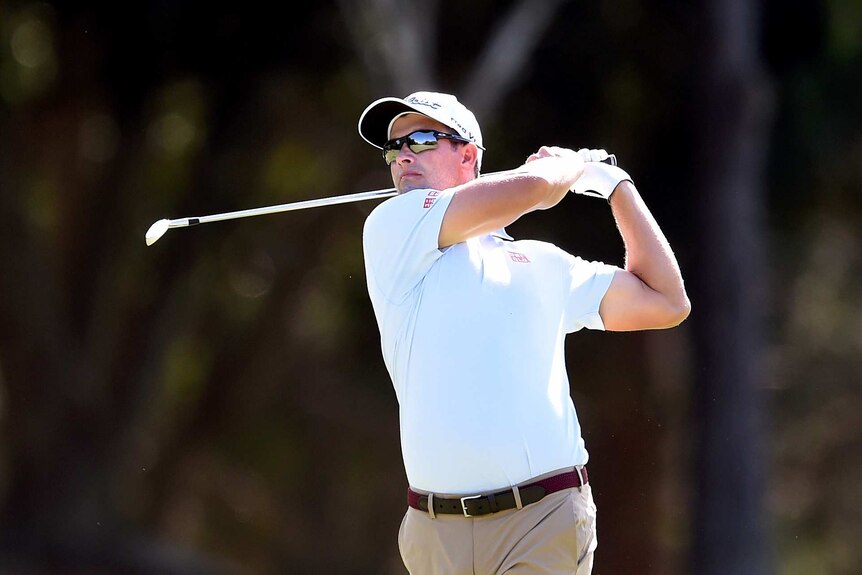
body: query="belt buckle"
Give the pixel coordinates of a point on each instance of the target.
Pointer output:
(464, 504)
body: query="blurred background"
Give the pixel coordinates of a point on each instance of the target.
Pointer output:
(217, 403)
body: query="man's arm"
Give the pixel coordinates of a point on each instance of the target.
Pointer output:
(489, 203)
(649, 293)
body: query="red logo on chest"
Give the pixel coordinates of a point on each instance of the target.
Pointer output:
(519, 257)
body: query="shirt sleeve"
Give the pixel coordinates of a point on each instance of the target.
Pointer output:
(400, 240)
(588, 281)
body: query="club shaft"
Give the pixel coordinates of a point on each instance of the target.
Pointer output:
(305, 204)
(301, 205)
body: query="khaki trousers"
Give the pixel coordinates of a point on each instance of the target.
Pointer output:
(553, 536)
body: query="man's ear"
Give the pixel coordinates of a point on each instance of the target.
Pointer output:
(469, 154)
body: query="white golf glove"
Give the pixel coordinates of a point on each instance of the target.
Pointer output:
(588, 155)
(599, 179)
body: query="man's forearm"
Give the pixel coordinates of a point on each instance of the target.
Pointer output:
(648, 253)
(485, 204)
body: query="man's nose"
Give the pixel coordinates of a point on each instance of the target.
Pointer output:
(405, 154)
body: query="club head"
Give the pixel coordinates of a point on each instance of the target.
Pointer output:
(156, 231)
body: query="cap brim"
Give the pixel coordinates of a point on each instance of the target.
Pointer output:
(375, 120)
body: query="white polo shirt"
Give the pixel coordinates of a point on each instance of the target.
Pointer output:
(473, 339)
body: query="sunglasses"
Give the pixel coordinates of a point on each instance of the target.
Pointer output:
(418, 142)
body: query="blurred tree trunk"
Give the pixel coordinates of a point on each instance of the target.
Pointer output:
(397, 44)
(733, 117)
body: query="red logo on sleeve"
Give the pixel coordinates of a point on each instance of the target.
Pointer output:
(431, 198)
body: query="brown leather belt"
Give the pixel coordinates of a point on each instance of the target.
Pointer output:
(474, 505)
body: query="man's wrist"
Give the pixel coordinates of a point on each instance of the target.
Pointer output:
(624, 187)
(600, 180)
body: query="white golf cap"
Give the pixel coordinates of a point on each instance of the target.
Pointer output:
(376, 121)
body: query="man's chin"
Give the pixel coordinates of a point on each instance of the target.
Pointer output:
(406, 186)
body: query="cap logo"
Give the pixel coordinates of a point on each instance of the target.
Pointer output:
(436, 106)
(422, 102)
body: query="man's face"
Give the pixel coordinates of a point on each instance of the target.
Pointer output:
(439, 168)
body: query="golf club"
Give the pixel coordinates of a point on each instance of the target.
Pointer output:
(159, 228)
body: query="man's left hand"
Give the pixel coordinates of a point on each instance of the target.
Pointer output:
(599, 179)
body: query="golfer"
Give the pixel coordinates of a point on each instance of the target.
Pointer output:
(472, 327)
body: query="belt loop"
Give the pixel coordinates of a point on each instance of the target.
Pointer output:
(579, 471)
(431, 506)
(517, 493)
(492, 503)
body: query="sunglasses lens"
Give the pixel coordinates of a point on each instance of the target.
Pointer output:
(417, 142)
(421, 141)
(390, 155)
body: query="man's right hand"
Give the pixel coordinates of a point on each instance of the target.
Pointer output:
(564, 165)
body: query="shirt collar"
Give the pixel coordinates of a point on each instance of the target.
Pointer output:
(502, 234)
